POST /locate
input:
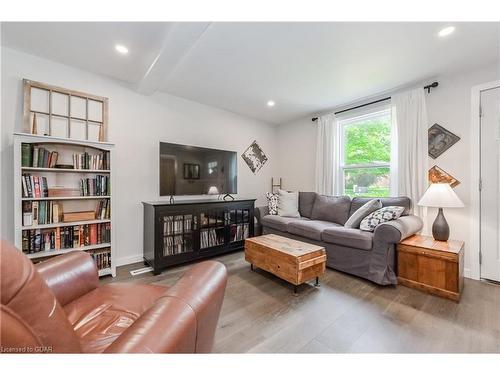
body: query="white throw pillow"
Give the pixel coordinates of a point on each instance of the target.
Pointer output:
(378, 217)
(288, 204)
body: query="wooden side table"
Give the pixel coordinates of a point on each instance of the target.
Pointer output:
(432, 266)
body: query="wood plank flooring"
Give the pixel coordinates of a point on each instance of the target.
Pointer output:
(345, 314)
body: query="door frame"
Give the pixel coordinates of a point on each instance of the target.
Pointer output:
(474, 272)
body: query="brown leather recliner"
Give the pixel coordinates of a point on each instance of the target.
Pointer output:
(58, 306)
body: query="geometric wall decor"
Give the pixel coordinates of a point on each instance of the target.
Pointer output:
(437, 175)
(58, 112)
(440, 140)
(254, 157)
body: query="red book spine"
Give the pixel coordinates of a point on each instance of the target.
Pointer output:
(37, 186)
(93, 234)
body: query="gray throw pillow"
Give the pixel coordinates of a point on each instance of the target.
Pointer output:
(362, 212)
(378, 217)
(288, 204)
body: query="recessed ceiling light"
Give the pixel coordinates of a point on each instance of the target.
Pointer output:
(122, 49)
(446, 31)
(270, 103)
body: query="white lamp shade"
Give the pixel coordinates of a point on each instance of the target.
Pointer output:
(440, 195)
(212, 190)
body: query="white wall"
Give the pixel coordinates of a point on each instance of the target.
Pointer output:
(137, 124)
(448, 105)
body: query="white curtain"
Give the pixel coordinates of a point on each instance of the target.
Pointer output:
(327, 157)
(409, 154)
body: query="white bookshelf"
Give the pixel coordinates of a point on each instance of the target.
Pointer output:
(67, 178)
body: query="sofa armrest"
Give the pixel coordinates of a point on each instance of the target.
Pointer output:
(260, 212)
(183, 320)
(397, 230)
(70, 275)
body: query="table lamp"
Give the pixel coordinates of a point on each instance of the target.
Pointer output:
(440, 195)
(212, 190)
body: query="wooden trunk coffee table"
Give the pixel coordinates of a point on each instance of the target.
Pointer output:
(290, 260)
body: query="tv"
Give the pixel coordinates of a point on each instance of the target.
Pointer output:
(190, 170)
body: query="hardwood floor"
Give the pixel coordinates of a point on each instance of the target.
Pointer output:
(345, 314)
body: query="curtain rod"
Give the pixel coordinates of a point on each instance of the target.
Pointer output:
(428, 88)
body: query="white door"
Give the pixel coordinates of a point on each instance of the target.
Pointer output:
(490, 179)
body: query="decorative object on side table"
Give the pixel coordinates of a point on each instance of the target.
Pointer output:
(440, 195)
(254, 157)
(432, 266)
(438, 175)
(440, 140)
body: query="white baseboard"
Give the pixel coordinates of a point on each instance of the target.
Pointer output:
(468, 274)
(128, 260)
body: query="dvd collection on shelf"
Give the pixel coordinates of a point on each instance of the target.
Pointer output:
(91, 161)
(211, 237)
(97, 186)
(239, 232)
(68, 237)
(178, 244)
(37, 157)
(175, 224)
(102, 258)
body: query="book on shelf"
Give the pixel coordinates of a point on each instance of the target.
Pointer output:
(67, 237)
(37, 157)
(96, 186)
(211, 237)
(102, 211)
(34, 186)
(91, 161)
(102, 258)
(239, 232)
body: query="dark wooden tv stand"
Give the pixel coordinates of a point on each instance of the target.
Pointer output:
(188, 230)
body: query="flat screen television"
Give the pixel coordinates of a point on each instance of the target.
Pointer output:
(190, 170)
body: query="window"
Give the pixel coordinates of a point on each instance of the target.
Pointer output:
(365, 154)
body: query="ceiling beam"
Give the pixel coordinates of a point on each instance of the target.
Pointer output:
(179, 40)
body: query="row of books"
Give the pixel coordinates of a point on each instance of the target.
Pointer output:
(211, 237)
(39, 157)
(68, 237)
(43, 212)
(102, 258)
(34, 186)
(98, 185)
(175, 224)
(103, 209)
(239, 232)
(91, 161)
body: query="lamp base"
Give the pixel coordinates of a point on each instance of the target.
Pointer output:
(440, 228)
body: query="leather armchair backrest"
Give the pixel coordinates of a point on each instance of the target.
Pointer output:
(30, 312)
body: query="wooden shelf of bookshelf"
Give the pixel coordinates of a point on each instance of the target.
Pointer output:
(68, 178)
(67, 198)
(67, 170)
(66, 224)
(49, 253)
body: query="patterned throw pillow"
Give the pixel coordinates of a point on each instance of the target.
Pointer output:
(272, 202)
(383, 215)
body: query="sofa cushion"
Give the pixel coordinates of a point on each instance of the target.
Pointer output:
(306, 203)
(310, 228)
(405, 202)
(349, 237)
(272, 203)
(378, 217)
(279, 222)
(330, 208)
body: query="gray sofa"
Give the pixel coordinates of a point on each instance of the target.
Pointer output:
(365, 254)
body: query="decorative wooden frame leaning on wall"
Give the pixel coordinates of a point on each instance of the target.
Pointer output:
(59, 112)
